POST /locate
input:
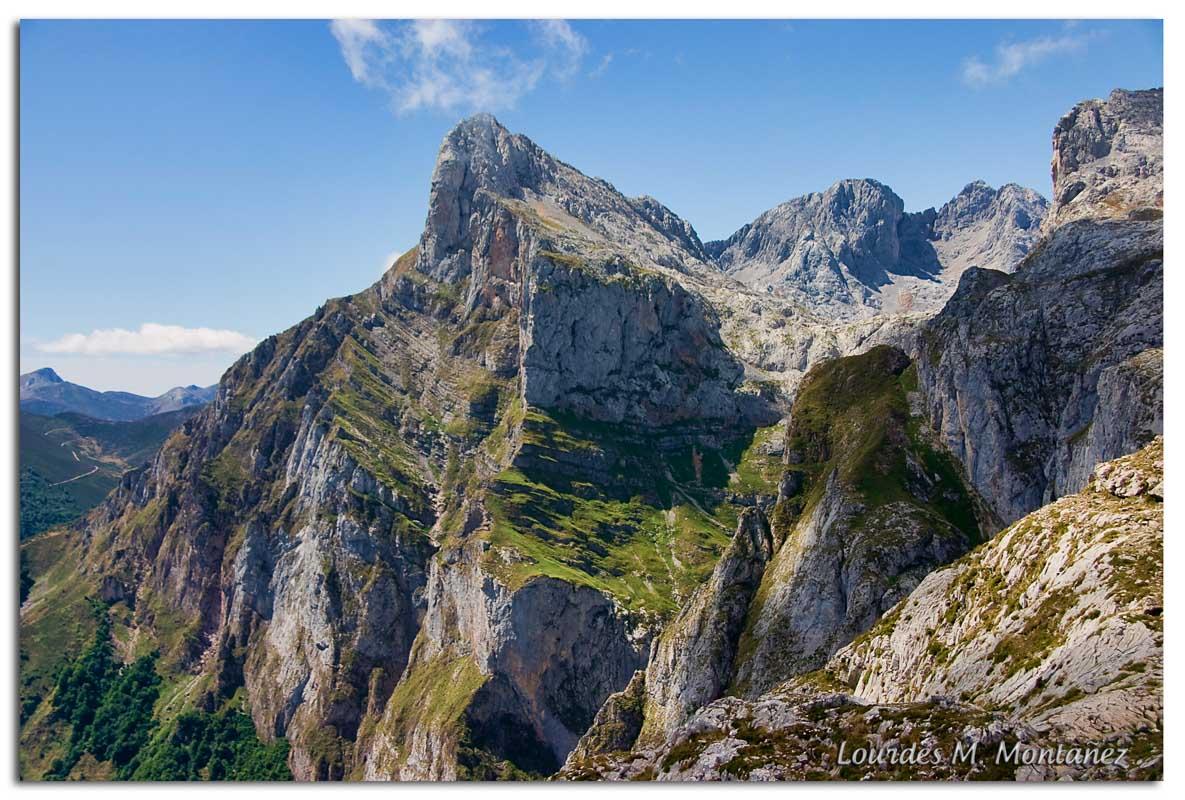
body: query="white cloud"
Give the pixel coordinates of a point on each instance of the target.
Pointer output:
(362, 44)
(1013, 57)
(566, 47)
(150, 339)
(451, 64)
(600, 68)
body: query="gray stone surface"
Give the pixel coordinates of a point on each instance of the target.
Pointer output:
(1108, 158)
(852, 251)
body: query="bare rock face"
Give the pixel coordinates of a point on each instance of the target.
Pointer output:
(831, 248)
(692, 660)
(1057, 619)
(481, 162)
(1108, 158)
(868, 507)
(1130, 413)
(1011, 368)
(987, 228)
(616, 727)
(538, 663)
(1033, 378)
(669, 223)
(853, 251)
(628, 347)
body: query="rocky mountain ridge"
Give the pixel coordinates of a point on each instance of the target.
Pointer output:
(1108, 158)
(44, 392)
(1034, 377)
(556, 487)
(852, 250)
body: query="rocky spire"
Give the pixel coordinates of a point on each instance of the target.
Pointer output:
(481, 164)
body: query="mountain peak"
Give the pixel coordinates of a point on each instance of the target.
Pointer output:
(489, 179)
(1108, 157)
(977, 186)
(479, 134)
(44, 375)
(482, 120)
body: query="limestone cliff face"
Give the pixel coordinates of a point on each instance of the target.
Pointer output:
(868, 506)
(542, 660)
(692, 660)
(1108, 158)
(628, 347)
(1012, 368)
(1034, 378)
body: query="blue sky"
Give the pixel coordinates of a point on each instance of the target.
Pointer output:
(220, 180)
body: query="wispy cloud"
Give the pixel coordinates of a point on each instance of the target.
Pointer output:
(151, 339)
(602, 66)
(453, 64)
(1014, 56)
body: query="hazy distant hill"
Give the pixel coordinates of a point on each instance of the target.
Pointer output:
(44, 392)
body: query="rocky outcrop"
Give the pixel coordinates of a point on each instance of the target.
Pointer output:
(616, 727)
(692, 660)
(669, 223)
(801, 736)
(868, 506)
(481, 163)
(1058, 619)
(1048, 635)
(852, 250)
(1108, 158)
(987, 228)
(540, 661)
(1011, 368)
(1034, 378)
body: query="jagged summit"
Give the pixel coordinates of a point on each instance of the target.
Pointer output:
(484, 172)
(853, 250)
(829, 247)
(987, 228)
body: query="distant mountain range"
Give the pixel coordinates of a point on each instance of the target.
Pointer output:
(853, 251)
(44, 392)
(76, 442)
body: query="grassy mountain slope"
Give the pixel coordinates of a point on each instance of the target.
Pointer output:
(71, 461)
